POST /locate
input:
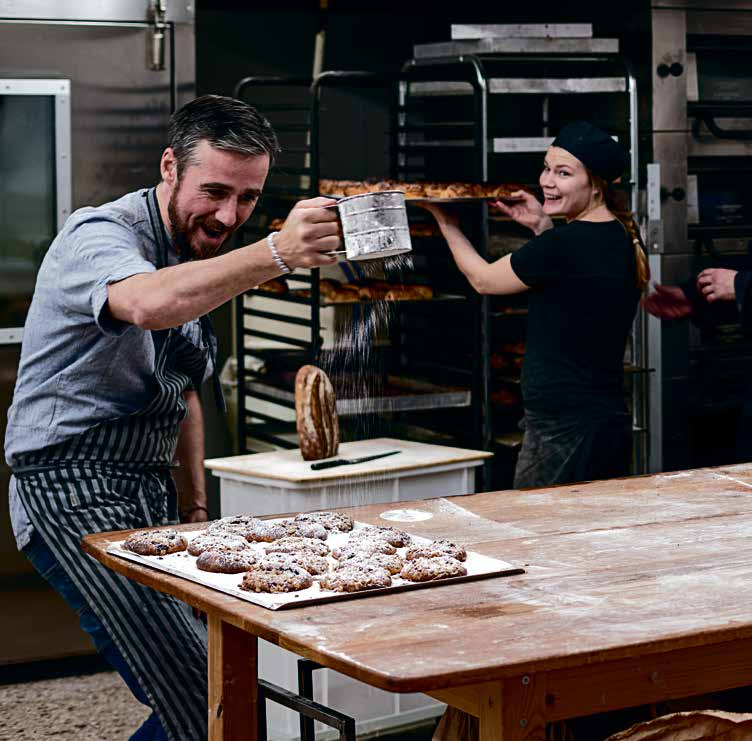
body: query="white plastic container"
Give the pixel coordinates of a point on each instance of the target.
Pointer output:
(281, 482)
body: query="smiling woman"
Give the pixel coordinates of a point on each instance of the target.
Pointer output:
(584, 280)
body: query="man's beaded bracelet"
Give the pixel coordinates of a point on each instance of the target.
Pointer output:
(275, 255)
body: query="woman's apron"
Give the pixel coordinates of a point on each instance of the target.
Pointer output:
(565, 448)
(116, 476)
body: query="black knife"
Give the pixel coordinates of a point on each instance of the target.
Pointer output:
(347, 462)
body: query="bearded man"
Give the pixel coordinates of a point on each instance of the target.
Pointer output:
(116, 346)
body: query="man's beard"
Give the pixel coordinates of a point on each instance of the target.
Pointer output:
(179, 228)
(181, 235)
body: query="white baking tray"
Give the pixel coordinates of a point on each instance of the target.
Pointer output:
(184, 565)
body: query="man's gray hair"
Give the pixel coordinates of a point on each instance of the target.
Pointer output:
(225, 123)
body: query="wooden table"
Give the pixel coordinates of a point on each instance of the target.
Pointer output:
(637, 591)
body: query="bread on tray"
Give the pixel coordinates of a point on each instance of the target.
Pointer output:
(333, 292)
(426, 189)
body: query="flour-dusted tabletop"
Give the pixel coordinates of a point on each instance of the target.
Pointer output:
(289, 466)
(637, 591)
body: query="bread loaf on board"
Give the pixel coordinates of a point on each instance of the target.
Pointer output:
(316, 414)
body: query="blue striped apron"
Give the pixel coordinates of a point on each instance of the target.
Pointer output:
(116, 476)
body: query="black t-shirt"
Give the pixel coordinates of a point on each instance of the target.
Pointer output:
(582, 303)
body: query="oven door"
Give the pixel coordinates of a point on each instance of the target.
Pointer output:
(35, 188)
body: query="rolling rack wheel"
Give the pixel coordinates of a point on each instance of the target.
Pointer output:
(303, 704)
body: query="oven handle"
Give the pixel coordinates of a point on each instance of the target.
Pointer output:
(717, 131)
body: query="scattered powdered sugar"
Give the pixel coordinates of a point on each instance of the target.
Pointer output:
(406, 515)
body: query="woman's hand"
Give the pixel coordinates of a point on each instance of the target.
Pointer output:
(667, 302)
(442, 216)
(527, 210)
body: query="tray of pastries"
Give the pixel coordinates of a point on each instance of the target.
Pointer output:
(427, 191)
(311, 558)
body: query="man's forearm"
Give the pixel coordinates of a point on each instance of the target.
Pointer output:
(173, 296)
(189, 477)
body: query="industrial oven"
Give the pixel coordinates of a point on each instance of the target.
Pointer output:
(699, 216)
(86, 90)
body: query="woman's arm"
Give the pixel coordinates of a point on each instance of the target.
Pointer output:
(497, 277)
(492, 278)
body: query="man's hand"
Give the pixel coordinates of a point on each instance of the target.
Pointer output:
(195, 514)
(309, 233)
(667, 302)
(717, 284)
(526, 210)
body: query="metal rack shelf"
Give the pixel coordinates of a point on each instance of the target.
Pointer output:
(291, 298)
(408, 395)
(292, 324)
(515, 46)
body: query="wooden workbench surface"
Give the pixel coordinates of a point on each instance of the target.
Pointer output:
(615, 569)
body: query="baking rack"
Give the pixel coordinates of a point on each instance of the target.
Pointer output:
(443, 405)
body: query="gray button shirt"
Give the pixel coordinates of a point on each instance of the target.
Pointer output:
(79, 366)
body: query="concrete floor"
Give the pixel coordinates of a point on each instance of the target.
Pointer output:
(97, 707)
(93, 707)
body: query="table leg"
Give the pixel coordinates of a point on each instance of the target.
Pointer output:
(233, 683)
(509, 710)
(490, 715)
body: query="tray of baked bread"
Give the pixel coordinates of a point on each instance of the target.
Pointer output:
(425, 191)
(336, 292)
(312, 558)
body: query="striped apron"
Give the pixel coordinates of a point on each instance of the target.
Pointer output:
(116, 476)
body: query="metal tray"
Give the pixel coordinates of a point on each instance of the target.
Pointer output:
(184, 565)
(411, 395)
(459, 199)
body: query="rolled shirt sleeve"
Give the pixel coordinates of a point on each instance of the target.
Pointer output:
(538, 262)
(100, 252)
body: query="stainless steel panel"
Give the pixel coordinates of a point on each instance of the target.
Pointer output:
(501, 46)
(440, 88)
(655, 382)
(559, 86)
(522, 30)
(735, 23)
(120, 108)
(508, 145)
(707, 145)
(670, 149)
(704, 4)
(94, 10)
(535, 86)
(693, 88)
(669, 92)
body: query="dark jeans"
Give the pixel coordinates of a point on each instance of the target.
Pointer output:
(44, 561)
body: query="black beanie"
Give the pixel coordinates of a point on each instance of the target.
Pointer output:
(594, 148)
